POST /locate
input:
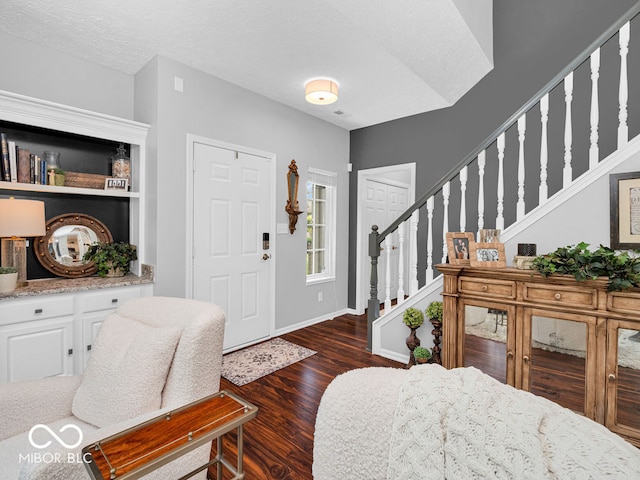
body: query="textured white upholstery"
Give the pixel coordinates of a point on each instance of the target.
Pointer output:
(432, 423)
(194, 373)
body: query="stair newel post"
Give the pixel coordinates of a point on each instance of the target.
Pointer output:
(373, 309)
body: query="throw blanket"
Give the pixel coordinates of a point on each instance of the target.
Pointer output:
(463, 424)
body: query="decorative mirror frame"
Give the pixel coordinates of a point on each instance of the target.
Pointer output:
(292, 203)
(49, 262)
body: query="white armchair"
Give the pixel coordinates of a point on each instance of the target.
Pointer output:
(153, 354)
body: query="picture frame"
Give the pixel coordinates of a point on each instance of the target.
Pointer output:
(459, 247)
(624, 210)
(488, 255)
(116, 184)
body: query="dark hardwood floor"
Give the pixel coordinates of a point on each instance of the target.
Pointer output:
(278, 443)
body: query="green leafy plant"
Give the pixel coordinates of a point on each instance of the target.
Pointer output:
(622, 268)
(421, 353)
(7, 270)
(59, 171)
(413, 317)
(108, 256)
(434, 310)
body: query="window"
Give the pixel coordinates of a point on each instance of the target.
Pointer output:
(321, 225)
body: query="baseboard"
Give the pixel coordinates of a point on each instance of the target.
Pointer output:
(308, 323)
(398, 357)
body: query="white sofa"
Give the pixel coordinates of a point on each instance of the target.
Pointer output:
(431, 423)
(153, 354)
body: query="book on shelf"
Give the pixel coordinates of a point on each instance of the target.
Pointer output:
(24, 165)
(13, 161)
(6, 169)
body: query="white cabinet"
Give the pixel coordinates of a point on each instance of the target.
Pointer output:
(51, 335)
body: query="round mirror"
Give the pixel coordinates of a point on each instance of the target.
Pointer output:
(61, 250)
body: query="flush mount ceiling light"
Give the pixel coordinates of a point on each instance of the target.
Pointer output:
(321, 91)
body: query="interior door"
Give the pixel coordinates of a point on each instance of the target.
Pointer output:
(232, 214)
(383, 203)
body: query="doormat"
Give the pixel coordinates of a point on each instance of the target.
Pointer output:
(249, 364)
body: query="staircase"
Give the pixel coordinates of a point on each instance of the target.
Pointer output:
(547, 152)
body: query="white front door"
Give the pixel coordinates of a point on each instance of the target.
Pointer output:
(232, 215)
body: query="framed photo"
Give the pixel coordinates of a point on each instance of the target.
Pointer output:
(458, 247)
(624, 197)
(116, 184)
(489, 255)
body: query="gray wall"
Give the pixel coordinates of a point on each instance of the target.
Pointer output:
(216, 109)
(36, 71)
(533, 42)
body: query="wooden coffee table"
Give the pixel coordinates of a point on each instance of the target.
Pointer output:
(139, 450)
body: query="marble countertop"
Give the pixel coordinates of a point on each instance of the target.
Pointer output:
(48, 286)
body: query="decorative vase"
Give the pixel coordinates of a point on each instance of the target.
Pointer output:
(52, 159)
(8, 282)
(437, 333)
(412, 342)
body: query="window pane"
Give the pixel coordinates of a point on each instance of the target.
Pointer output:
(318, 263)
(309, 190)
(321, 192)
(309, 263)
(309, 237)
(321, 209)
(319, 238)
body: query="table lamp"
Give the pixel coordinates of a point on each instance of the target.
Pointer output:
(19, 219)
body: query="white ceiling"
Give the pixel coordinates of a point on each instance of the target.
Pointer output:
(391, 58)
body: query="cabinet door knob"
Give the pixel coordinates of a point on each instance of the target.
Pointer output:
(557, 296)
(612, 377)
(526, 359)
(510, 354)
(484, 288)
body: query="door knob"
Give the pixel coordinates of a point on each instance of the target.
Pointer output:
(266, 256)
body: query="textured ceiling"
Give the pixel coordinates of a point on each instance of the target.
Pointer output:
(391, 58)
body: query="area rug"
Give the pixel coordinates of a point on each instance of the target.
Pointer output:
(249, 364)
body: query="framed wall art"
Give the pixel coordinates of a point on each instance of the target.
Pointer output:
(624, 197)
(489, 255)
(458, 247)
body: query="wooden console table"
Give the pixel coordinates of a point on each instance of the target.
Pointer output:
(596, 375)
(141, 449)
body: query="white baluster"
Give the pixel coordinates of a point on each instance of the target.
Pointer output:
(413, 256)
(401, 228)
(544, 117)
(482, 161)
(387, 289)
(446, 191)
(623, 95)
(500, 193)
(594, 118)
(463, 199)
(522, 127)
(567, 175)
(430, 208)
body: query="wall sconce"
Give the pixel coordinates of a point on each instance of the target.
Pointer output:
(292, 203)
(321, 92)
(19, 219)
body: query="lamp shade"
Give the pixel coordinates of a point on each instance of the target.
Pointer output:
(321, 92)
(21, 218)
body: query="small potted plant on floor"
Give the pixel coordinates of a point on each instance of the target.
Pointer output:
(421, 355)
(8, 279)
(412, 318)
(434, 314)
(111, 259)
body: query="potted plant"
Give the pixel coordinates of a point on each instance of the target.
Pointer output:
(421, 354)
(8, 279)
(412, 318)
(111, 259)
(435, 313)
(59, 177)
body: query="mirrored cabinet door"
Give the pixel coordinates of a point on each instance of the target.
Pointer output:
(623, 377)
(489, 340)
(557, 360)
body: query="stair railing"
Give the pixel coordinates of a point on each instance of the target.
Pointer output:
(442, 188)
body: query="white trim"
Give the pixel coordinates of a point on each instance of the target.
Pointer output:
(379, 175)
(191, 139)
(329, 180)
(307, 323)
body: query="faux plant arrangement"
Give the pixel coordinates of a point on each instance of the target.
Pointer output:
(111, 259)
(413, 317)
(421, 354)
(59, 176)
(434, 311)
(8, 279)
(622, 268)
